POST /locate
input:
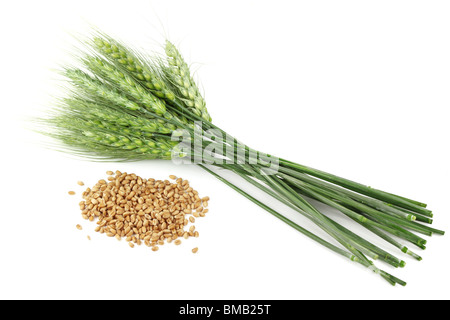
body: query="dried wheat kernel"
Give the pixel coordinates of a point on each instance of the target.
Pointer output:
(80, 183)
(79, 227)
(89, 238)
(155, 248)
(131, 244)
(195, 250)
(141, 210)
(71, 193)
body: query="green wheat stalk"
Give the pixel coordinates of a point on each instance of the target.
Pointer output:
(120, 106)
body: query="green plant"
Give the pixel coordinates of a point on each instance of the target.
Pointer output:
(123, 106)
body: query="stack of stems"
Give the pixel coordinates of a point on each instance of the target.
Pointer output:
(362, 204)
(367, 206)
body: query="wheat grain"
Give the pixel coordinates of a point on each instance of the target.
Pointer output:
(141, 210)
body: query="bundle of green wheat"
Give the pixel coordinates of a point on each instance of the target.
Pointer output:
(123, 105)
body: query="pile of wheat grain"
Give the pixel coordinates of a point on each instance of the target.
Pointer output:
(143, 211)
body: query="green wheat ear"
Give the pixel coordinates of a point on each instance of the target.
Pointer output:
(126, 84)
(107, 115)
(104, 138)
(179, 74)
(95, 87)
(128, 61)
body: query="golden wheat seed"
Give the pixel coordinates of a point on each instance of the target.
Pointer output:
(155, 248)
(79, 227)
(71, 193)
(195, 250)
(131, 244)
(89, 238)
(177, 242)
(145, 211)
(80, 183)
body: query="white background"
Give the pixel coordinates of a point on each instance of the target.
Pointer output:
(356, 88)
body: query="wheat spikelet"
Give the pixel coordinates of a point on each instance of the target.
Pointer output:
(179, 74)
(127, 85)
(106, 140)
(86, 109)
(127, 60)
(94, 87)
